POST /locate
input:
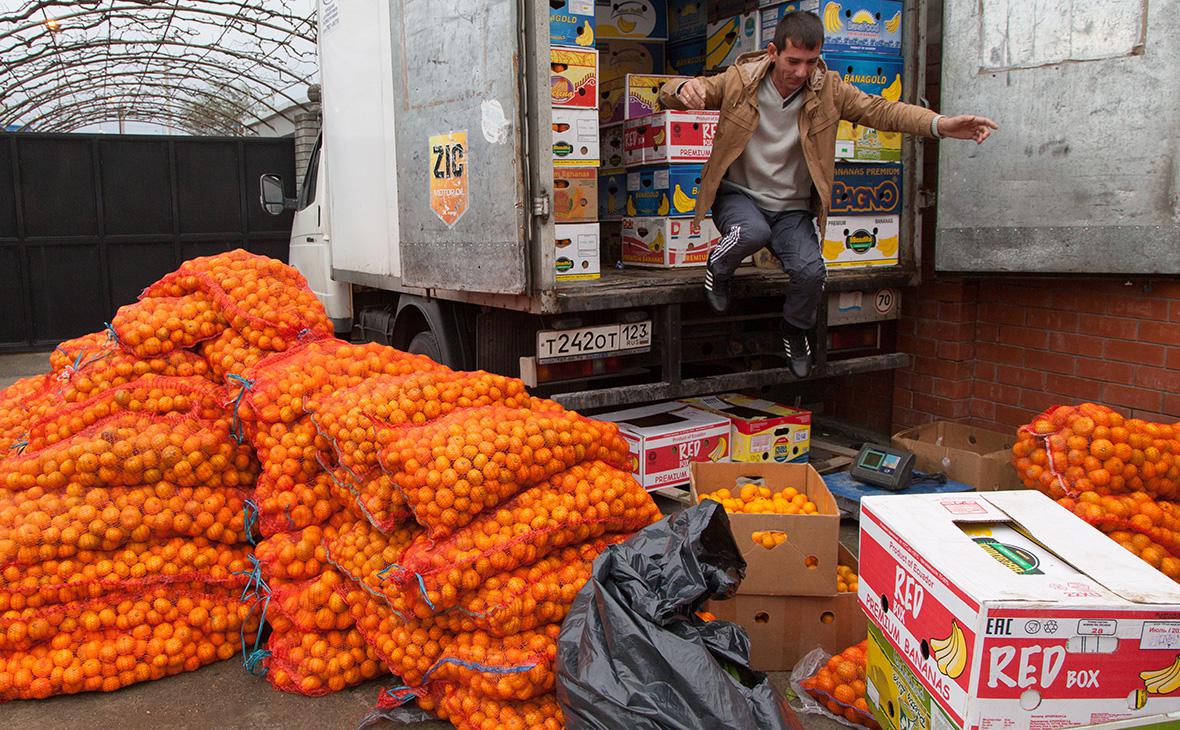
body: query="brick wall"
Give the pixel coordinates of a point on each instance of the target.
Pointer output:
(998, 351)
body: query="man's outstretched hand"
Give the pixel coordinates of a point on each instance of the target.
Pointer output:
(966, 126)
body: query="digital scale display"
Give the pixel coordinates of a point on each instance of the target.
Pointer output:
(883, 467)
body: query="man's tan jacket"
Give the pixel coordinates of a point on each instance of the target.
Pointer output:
(827, 99)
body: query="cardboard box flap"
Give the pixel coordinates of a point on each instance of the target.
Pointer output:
(979, 543)
(1087, 549)
(663, 419)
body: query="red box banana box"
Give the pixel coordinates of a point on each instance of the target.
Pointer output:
(1014, 613)
(674, 136)
(667, 438)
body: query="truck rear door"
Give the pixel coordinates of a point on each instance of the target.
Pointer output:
(1082, 175)
(457, 90)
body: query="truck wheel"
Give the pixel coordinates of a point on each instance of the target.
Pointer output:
(425, 343)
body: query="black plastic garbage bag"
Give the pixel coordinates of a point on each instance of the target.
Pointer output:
(633, 654)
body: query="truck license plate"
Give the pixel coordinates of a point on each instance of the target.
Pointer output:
(593, 342)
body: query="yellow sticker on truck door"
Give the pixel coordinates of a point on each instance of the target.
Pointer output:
(448, 176)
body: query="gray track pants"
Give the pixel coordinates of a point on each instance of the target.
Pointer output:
(791, 235)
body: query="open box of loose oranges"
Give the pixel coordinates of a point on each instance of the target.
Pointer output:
(783, 518)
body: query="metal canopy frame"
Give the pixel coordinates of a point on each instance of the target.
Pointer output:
(195, 66)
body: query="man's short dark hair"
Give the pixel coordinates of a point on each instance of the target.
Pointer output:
(800, 28)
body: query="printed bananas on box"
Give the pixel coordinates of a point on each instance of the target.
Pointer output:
(832, 22)
(587, 36)
(893, 23)
(951, 653)
(1162, 681)
(681, 200)
(663, 209)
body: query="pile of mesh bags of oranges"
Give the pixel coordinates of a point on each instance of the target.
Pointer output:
(216, 473)
(1121, 475)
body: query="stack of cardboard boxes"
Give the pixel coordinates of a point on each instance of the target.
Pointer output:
(574, 84)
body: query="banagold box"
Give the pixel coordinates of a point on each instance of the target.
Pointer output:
(1014, 613)
(667, 438)
(762, 431)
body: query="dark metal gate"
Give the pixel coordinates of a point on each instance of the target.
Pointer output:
(87, 221)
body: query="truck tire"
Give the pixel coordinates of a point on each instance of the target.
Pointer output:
(425, 343)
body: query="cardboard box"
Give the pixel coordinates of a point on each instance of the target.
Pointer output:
(612, 146)
(717, 10)
(768, 17)
(643, 93)
(575, 194)
(675, 136)
(864, 223)
(612, 195)
(571, 23)
(577, 251)
(964, 453)
(784, 629)
(876, 77)
(895, 695)
(617, 58)
(668, 243)
(611, 249)
(633, 19)
(663, 190)
(729, 38)
(803, 565)
(575, 137)
(862, 26)
(1012, 612)
(667, 438)
(573, 77)
(761, 431)
(686, 18)
(634, 141)
(686, 58)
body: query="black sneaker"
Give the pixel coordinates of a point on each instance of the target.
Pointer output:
(716, 291)
(797, 348)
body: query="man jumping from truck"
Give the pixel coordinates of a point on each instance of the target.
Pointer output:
(769, 177)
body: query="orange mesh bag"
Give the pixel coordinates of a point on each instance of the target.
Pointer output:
(108, 659)
(517, 667)
(365, 556)
(21, 404)
(25, 629)
(309, 605)
(93, 363)
(132, 449)
(1069, 450)
(38, 525)
(261, 297)
(179, 563)
(158, 325)
(316, 663)
(1136, 513)
(1149, 551)
(837, 684)
(527, 597)
(469, 710)
(407, 648)
(585, 502)
(230, 352)
(300, 555)
(453, 468)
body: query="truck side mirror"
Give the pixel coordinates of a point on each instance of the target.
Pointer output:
(271, 195)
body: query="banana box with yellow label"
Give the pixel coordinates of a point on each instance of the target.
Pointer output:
(571, 23)
(577, 257)
(668, 243)
(769, 17)
(636, 19)
(666, 439)
(862, 26)
(876, 76)
(575, 194)
(1013, 612)
(575, 138)
(643, 93)
(573, 77)
(729, 38)
(663, 190)
(864, 220)
(896, 696)
(762, 431)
